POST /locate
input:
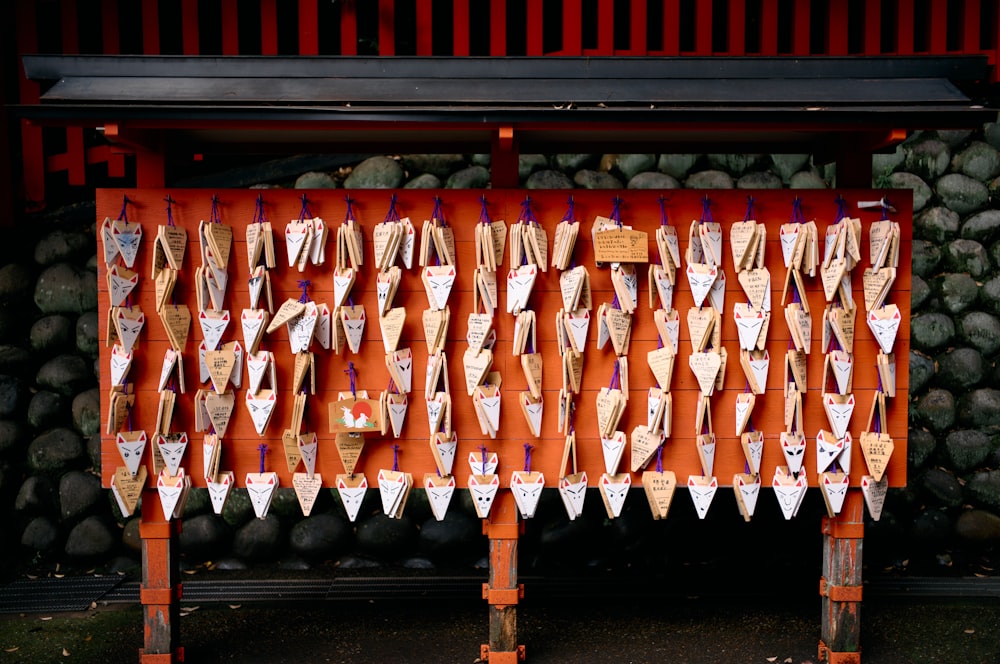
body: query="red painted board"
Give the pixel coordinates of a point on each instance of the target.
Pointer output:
(462, 211)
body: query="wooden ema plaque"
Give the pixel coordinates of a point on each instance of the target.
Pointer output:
(640, 209)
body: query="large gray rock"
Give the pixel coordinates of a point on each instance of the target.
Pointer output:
(936, 410)
(954, 138)
(285, 505)
(480, 159)
(926, 257)
(238, 509)
(710, 179)
(926, 156)
(921, 371)
(990, 295)
(65, 374)
(982, 227)
(15, 360)
(455, 540)
(981, 330)
(40, 535)
(984, 488)
(991, 132)
(967, 448)
(630, 165)
(204, 537)
(441, 165)
(52, 334)
(529, 163)
(919, 292)
(957, 291)
(91, 538)
(87, 412)
(943, 486)
(960, 369)
(936, 224)
(63, 246)
(375, 173)
(980, 161)
(12, 325)
(738, 164)
(759, 180)
(87, 330)
(548, 179)
(932, 525)
(387, 539)
(588, 179)
(36, 496)
(884, 164)
(46, 410)
(980, 408)
(16, 283)
(978, 526)
(571, 163)
(315, 180)
(473, 177)
(653, 180)
(921, 191)
(424, 181)
(11, 395)
(931, 331)
(64, 288)
(961, 193)
(321, 537)
(55, 451)
(198, 502)
(786, 165)
(806, 180)
(12, 436)
(920, 444)
(677, 165)
(258, 540)
(79, 494)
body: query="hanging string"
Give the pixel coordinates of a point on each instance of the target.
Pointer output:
(391, 215)
(615, 304)
(123, 215)
(841, 208)
(391, 388)
(352, 374)
(616, 211)
(615, 377)
(527, 214)
(886, 206)
(663, 211)
(570, 215)
(214, 216)
(438, 214)
(750, 211)
(659, 459)
(170, 214)
(527, 457)
(797, 216)
(304, 210)
(262, 448)
(349, 213)
(304, 284)
(258, 212)
(395, 458)
(482, 451)
(706, 211)
(484, 213)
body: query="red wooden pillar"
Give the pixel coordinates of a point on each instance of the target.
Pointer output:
(503, 591)
(840, 585)
(160, 592)
(504, 159)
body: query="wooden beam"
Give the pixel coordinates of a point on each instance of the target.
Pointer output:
(308, 27)
(841, 582)
(150, 27)
(190, 28)
(502, 591)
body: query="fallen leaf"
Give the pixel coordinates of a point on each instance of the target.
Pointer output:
(59, 576)
(235, 606)
(970, 631)
(788, 660)
(88, 637)
(46, 618)
(772, 659)
(65, 653)
(12, 649)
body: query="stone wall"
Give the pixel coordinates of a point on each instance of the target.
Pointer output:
(53, 511)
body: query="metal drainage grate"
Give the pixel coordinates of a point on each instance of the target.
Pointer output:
(50, 594)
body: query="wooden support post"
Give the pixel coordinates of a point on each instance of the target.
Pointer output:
(504, 159)
(503, 591)
(840, 585)
(160, 592)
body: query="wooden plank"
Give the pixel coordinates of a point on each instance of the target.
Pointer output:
(32, 147)
(703, 29)
(150, 27)
(637, 29)
(904, 27)
(498, 27)
(109, 27)
(873, 28)
(842, 566)
(308, 27)
(640, 206)
(269, 27)
(460, 32)
(230, 27)
(425, 31)
(605, 28)
(736, 42)
(938, 27)
(801, 26)
(769, 27)
(535, 18)
(971, 16)
(69, 24)
(572, 31)
(836, 28)
(190, 28)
